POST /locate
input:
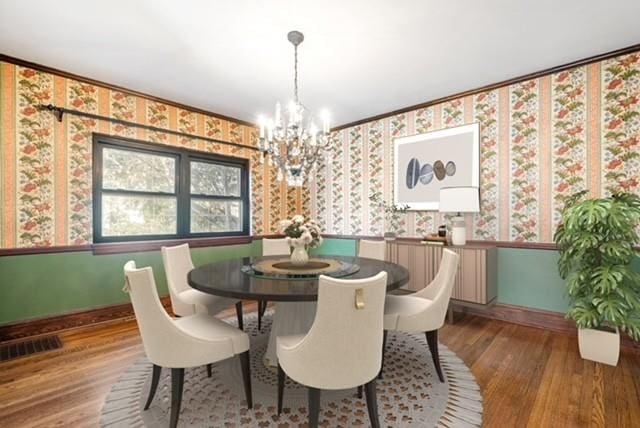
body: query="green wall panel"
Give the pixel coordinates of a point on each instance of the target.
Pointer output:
(33, 286)
(336, 247)
(530, 278)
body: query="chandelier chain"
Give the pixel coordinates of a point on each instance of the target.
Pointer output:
(295, 73)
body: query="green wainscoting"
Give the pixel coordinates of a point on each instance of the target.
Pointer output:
(34, 286)
(336, 247)
(530, 278)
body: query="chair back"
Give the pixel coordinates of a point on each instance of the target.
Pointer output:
(153, 321)
(343, 348)
(440, 289)
(177, 264)
(275, 247)
(373, 249)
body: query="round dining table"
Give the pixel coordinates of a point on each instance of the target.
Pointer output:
(294, 296)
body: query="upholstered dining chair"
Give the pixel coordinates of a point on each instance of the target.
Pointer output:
(343, 348)
(275, 247)
(184, 299)
(190, 341)
(372, 249)
(271, 247)
(424, 310)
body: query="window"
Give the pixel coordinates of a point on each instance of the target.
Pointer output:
(143, 191)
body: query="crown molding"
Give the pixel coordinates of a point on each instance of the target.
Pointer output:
(518, 79)
(68, 75)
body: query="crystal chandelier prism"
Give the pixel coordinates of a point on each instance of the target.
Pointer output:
(291, 141)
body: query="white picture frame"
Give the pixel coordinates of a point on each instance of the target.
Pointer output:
(426, 162)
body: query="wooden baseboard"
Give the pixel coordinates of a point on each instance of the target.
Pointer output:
(548, 320)
(57, 323)
(538, 318)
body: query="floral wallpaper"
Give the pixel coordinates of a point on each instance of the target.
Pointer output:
(541, 141)
(45, 166)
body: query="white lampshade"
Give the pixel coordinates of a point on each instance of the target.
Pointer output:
(459, 200)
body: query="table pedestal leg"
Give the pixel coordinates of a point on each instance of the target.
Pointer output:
(289, 318)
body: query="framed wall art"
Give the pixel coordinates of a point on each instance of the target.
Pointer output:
(425, 163)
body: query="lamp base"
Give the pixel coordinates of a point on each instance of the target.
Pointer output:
(458, 231)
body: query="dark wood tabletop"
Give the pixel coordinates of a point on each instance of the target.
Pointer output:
(226, 279)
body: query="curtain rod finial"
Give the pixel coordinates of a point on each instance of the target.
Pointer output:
(57, 111)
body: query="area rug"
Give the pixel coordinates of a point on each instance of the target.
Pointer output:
(409, 395)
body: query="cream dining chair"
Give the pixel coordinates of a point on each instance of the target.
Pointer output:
(424, 310)
(271, 247)
(275, 247)
(186, 300)
(372, 249)
(190, 341)
(343, 348)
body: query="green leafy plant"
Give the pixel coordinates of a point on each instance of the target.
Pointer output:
(392, 212)
(596, 240)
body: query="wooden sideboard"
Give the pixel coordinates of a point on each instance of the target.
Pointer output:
(476, 281)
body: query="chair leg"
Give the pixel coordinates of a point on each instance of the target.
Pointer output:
(432, 340)
(155, 379)
(262, 308)
(239, 315)
(281, 378)
(177, 383)
(208, 370)
(372, 403)
(246, 377)
(360, 391)
(384, 345)
(314, 407)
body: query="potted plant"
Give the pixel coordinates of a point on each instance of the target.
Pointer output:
(596, 240)
(392, 215)
(301, 235)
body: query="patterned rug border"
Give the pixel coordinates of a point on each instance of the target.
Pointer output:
(464, 404)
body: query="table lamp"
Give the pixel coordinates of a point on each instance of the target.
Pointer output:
(459, 200)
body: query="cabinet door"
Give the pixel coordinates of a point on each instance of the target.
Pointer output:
(470, 282)
(419, 261)
(401, 254)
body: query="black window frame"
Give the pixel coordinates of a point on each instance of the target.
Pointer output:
(182, 192)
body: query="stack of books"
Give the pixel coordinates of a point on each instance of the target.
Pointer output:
(434, 239)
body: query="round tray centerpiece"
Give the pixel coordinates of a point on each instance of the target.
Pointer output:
(284, 268)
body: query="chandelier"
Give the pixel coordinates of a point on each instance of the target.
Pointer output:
(292, 142)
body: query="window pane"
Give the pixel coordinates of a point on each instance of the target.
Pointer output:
(214, 179)
(209, 215)
(138, 215)
(131, 170)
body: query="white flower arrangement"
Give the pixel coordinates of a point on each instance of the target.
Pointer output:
(299, 232)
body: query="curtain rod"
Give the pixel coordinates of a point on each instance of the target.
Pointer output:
(60, 111)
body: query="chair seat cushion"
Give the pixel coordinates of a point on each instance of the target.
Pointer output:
(401, 311)
(208, 328)
(213, 304)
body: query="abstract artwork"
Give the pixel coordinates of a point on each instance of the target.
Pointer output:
(424, 163)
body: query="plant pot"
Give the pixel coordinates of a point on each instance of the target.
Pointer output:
(299, 255)
(602, 346)
(389, 236)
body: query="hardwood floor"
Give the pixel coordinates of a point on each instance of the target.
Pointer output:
(529, 377)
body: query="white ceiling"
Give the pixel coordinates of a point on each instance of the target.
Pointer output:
(360, 57)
